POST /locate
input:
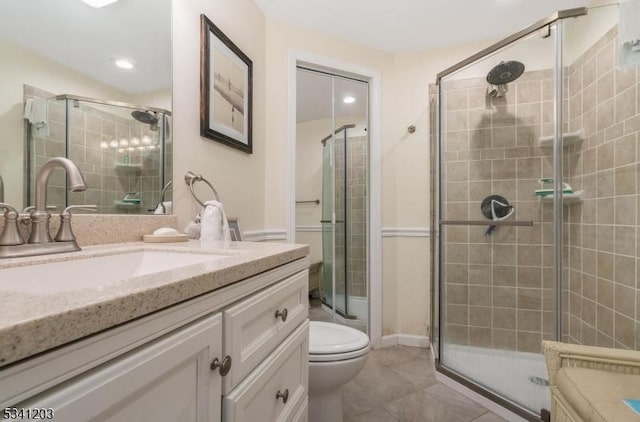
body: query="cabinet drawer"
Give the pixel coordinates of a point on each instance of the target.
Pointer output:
(252, 329)
(284, 371)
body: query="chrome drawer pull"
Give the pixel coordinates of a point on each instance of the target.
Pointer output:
(284, 396)
(282, 314)
(225, 365)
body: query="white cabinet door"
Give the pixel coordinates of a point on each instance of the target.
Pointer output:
(169, 379)
(277, 388)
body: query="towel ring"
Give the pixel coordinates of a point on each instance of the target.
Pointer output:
(190, 178)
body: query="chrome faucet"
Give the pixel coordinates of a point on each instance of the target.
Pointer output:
(40, 242)
(40, 216)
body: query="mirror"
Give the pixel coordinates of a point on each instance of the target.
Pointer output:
(332, 167)
(89, 80)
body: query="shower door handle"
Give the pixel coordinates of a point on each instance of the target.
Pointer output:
(519, 223)
(329, 221)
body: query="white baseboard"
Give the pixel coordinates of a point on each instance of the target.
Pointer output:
(483, 401)
(264, 235)
(404, 340)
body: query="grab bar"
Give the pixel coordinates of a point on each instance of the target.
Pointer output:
(315, 201)
(519, 223)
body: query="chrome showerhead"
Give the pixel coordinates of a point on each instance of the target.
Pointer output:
(145, 117)
(505, 72)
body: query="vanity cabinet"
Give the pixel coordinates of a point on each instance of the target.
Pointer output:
(159, 367)
(165, 381)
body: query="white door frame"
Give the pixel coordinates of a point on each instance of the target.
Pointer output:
(373, 76)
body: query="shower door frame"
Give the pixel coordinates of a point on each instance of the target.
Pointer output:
(437, 240)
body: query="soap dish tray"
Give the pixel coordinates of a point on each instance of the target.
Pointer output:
(165, 238)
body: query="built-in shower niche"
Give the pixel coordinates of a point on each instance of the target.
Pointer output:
(123, 152)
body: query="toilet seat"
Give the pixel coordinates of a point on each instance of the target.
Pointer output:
(329, 342)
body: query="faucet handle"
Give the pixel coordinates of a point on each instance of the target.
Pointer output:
(11, 235)
(79, 207)
(32, 207)
(65, 233)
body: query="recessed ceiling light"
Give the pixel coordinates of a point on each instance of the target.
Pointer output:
(123, 63)
(99, 3)
(348, 100)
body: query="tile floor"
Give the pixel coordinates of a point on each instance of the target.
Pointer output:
(398, 384)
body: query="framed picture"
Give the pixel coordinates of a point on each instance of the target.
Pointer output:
(225, 89)
(234, 229)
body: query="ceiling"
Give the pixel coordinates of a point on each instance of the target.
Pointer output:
(87, 39)
(413, 25)
(319, 96)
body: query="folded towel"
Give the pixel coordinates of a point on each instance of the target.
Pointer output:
(629, 33)
(214, 224)
(35, 111)
(168, 208)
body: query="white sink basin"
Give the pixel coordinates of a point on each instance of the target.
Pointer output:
(56, 277)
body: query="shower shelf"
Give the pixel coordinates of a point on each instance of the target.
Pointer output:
(127, 205)
(569, 139)
(567, 198)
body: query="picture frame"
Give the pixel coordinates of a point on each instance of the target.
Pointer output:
(234, 229)
(226, 89)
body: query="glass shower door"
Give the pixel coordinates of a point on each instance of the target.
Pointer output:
(333, 224)
(498, 281)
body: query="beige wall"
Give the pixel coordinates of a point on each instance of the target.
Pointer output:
(238, 177)
(253, 186)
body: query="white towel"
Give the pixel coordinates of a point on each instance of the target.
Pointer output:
(168, 208)
(35, 111)
(629, 33)
(214, 224)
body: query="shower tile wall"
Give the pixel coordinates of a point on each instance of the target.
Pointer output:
(88, 127)
(499, 288)
(356, 202)
(341, 259)
(357, 215)
(603, 290)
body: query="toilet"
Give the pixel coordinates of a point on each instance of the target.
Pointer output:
(337, 354)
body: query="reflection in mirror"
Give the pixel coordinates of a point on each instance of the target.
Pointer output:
(92, 84)
(331, 193)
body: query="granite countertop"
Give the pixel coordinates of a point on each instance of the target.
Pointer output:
(33, 322)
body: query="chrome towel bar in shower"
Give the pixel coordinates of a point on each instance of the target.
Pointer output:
(521, 223)
(315, 201)
(190, 178)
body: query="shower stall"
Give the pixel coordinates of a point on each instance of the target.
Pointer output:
(342, 281)
(535, 188)
(124, 151)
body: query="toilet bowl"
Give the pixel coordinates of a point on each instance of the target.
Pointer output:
(337, 354)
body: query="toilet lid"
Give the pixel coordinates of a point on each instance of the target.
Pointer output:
(326, 338)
